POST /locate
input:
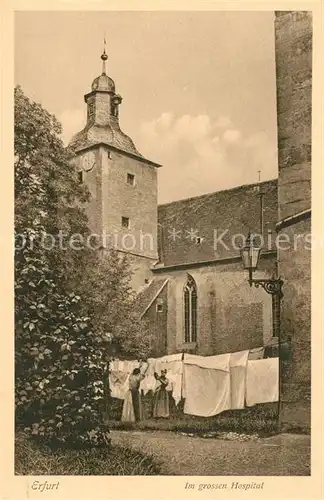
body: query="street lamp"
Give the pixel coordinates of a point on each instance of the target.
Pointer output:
(250, 254)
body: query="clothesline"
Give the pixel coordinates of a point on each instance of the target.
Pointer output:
(208, 384)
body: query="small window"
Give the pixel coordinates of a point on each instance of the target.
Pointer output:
(80, 176)
(91, 110)
(159, 305)
(131, 179)
(109, 155)
(125, 222)
(199, 240)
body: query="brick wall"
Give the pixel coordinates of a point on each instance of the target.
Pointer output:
(293, 39)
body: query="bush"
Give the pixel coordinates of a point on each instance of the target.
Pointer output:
(32, 458)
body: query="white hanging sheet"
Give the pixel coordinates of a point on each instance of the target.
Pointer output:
(262, 381)
(238, 364)
(118, 384)
(219, 362)
(207, 391)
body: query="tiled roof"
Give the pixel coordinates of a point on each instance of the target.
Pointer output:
(148, 294)
(235, 211)
(109, 134)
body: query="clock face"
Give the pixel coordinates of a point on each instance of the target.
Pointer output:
(88, 161)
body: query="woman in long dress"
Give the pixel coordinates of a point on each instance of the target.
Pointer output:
(132, 408)
(161, 397)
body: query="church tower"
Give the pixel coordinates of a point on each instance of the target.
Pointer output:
(122, 183)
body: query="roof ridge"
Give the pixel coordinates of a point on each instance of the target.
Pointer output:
(206, 195)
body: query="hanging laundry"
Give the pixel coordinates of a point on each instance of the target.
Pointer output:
(207, 391)
(238, 363)
(207, 384)
(126, 366)
(120, 371)
(171, 357)
(114, 365)
(123, 366)
(262, 381)
(174, 376)
(219, 362)
(143, 367)
(256, 353)
(149, 383)
(118, 384)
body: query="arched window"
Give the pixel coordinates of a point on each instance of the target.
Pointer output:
(190, 310)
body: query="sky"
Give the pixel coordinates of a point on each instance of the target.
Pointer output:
(198, 88)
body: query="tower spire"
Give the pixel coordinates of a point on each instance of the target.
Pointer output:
(104, 58)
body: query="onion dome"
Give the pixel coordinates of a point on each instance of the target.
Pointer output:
(103, 82)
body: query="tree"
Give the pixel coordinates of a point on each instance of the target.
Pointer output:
(59, 362)
(60, 345)
(111, 303)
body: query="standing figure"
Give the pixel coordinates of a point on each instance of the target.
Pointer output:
(132, 408)
(161, 397)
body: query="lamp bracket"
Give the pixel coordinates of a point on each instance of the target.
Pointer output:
(271, 286)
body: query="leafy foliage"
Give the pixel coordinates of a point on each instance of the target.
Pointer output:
(110, 302)
(61, 293)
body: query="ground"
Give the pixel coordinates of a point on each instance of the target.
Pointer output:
(282, 455)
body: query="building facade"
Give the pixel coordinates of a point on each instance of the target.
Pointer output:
(185, 255)
(199, 299)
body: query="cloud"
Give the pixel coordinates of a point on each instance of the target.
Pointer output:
(201, 155)
(232, 136)
(223, 122)
(72, 120)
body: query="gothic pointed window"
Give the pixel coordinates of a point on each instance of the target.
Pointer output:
(190, 310)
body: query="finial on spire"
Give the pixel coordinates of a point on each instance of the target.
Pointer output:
(104, 58)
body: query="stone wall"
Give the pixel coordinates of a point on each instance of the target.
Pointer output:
(294, 102)
(293, 43)
(295, 269)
